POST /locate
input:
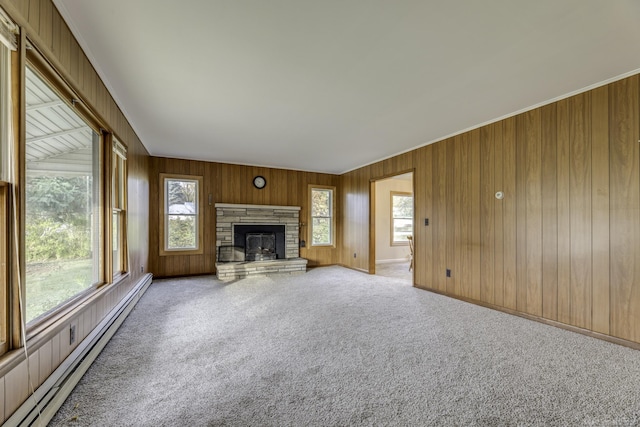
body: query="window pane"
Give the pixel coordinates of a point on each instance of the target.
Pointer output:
(121, 182)
(181, 196)
(182, 232)
(401, 229)
(5, 110)
(62, 241)
(321, 203)
(116, 242)
(402, 206)
(321, 231)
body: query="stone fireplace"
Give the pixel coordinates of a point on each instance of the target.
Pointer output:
(257, 240)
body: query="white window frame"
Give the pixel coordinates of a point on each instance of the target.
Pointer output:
(119, 207)
(331, 217)
(164, 212)
(404, 242)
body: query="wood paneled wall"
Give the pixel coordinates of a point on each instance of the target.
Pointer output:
(228, 183)
(563, 244)
(44, 26)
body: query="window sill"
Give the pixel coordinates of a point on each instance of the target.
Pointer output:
(190, 252)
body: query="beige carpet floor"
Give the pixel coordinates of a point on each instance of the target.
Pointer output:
(335, 347)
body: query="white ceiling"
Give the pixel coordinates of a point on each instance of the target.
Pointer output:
(332, 85)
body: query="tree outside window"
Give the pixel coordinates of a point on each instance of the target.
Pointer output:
(402, 218)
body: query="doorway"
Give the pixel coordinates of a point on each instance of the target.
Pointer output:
(392, 227)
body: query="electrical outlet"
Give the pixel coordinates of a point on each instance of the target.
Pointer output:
(72, 334)
(448, 272)
(141, 269)
(426, 221)
(354, 254)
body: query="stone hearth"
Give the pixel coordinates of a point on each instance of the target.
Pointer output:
(230, 215)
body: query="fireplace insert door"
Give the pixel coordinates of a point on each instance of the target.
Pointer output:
(260, 246)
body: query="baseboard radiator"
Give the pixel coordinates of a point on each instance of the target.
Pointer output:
(40, 407)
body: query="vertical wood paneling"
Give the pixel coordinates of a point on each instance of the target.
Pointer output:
(453, 222)
(74, 58)
(462, 274)
(364, 206)
(34, 14)
(487, 212)
(474, 213)
(521, 209)
(498, 215)
(580, 208)
(564, 224)
(55, 32)
(16, 382)
(625, 201)
(533, 203)
(46, 20)
(55, 351)
(600, 208)
(45, 368)
(34, 370)
(549, 213)
(423, 235)
(65, 46)
(509, 210)
(440, 224)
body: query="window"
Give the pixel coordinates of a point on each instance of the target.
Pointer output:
(118, 207)
(401, 218)
(181, 231)
(322, 214)
(62, 198)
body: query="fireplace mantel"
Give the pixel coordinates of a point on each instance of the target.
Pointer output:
(240, 206)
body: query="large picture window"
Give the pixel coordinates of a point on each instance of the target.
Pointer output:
(322, 216)
(181, 231)
(401, 217)
(62, 194)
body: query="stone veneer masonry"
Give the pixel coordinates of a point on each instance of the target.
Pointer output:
(229, 214)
